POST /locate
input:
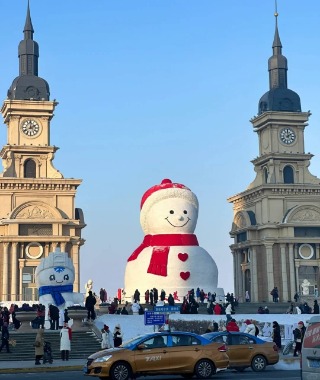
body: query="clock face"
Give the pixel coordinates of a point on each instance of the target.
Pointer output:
(30, 127)
(287, 136)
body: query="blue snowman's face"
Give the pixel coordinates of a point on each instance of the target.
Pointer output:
(56, 276)
(171, 216)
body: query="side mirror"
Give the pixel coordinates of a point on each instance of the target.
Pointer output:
(141, 346)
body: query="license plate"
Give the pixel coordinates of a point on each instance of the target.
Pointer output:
(85, 370)
(314, 363)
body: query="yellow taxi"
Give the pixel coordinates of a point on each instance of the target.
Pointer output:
(160, 353)
(245, 350)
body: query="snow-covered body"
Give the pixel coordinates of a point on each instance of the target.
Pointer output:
(199, 267)
(169, 257)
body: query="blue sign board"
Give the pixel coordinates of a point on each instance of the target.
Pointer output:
(151, 318)
(166, 309)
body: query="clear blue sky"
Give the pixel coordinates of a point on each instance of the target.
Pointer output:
(153, 89)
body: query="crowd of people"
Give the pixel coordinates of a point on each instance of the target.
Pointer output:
(188, 305)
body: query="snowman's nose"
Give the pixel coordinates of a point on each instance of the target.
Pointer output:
(181, 218)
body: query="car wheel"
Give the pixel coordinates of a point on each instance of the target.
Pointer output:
(258, 363)
(205, 369)
(120, 371)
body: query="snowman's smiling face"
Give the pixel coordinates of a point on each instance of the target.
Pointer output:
(171, 216)
(178, 221)
(56, 276)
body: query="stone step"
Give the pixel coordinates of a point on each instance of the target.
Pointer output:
(83, 344)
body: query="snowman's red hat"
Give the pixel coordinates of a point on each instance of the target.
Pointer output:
(166, 189)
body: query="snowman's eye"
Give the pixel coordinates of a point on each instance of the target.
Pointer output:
(171, 212)
(66, 277)
(52, 277)
(185, 211)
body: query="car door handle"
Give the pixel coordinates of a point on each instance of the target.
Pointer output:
(196, 349)
(250, 348)
(164, 351)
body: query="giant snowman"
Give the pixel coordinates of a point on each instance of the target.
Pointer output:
(170, 257)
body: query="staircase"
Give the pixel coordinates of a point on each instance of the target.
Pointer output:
(252, 307)
(83, 344)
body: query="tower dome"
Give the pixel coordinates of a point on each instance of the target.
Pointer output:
(279, 97)
(28, 85)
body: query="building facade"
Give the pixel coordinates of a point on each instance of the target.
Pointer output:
(276, 220)
(37, 204)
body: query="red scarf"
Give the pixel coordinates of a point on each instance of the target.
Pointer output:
(162, 243)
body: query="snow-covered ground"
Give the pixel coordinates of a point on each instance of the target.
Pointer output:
(133, 325)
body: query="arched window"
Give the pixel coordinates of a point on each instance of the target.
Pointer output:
(288, 174)
(29, 169)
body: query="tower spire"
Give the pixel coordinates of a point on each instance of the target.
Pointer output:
(28, 85)
(279, 97)
(28, 28)
(28, 49)
(278, 66)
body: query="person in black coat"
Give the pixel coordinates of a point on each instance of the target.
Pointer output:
(54, 317)
(117, 336)
(136, 296)
(194, 307)
(170, 300)
(151, 297)
(15, 321)
(298, 334)
(5, 337)
(316, 307)
(155, 295)
(90, 302)
(276, 334)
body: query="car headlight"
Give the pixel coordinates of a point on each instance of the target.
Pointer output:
(102, 359)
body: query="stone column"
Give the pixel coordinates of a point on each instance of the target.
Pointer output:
(317, 251)
(284, 274)
(293, 286)
(63, 247)
(21, 266)
(53, 246)
(234, 271)
(75, 259)
(238, 269)
(270, 279)
(14, 271)
(297, 278)
(243, 270)
(5, 270)
(46, 249)
(254, 275)
(21, 250)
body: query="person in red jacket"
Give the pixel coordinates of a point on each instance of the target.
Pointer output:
(217, 309)
(232, 326)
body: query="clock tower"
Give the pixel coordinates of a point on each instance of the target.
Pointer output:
(37, 204)
(276, 223)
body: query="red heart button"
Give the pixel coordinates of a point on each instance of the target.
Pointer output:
(185, 275)
(183, 256)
